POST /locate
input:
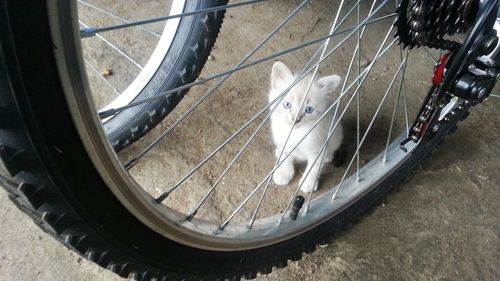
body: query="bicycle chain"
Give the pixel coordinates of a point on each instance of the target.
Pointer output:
(431, 105)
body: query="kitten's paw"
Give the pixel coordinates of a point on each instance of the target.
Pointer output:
(283, 176)
(309, 184)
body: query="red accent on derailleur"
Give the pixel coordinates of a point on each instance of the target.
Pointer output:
(438, 77)
(429, 108)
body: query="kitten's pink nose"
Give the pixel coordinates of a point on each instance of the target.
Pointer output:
(299, 118)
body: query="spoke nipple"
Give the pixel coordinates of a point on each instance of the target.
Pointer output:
(249, 226)
(191, 216)
(87, 32)
(130, 164)
(162, 197)
(403, 148)
(107, 113)
(221, 228)
(323, 244)
(297, 205)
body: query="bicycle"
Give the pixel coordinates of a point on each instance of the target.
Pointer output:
(84, 207)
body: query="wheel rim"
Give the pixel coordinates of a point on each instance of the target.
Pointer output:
(203, 234)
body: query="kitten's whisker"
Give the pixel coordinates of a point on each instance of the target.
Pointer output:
(368, 129)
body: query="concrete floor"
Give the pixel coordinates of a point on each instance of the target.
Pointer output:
(442, 224)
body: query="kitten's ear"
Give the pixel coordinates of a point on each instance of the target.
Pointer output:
(281, 76)
(328, 84)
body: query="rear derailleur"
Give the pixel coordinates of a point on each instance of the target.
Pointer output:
(474, 69)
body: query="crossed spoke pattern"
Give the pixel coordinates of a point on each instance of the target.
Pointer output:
(90, 31)
(91, 12)
(348, 30)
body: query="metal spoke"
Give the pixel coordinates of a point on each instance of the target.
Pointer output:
(333, 127)
(406, 109)
(368, 129)
(323, 50)
(364, 74)
(209, 93)
(358, 100)
(429, 55)
(237, 156)
(115, 48)
(402, 87)
(167, 193)
(240, 152)
(134, 160)
(102, 77)
(152, 32)
(91, 31)
(268, 176)
(229, 166)
(113, 111)
(349, 69)
(395, 108)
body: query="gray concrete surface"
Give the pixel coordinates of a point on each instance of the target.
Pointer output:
(442, 224)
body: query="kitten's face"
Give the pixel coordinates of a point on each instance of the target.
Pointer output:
(316, 102)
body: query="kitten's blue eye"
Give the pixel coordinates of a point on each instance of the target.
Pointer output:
(287, 104)
(309, 109)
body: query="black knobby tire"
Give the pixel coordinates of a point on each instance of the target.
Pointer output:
(52, 179)
(182, 64)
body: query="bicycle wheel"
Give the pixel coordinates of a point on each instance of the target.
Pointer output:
(206, 215)
(166, 57)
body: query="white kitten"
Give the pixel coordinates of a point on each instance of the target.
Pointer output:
(316, 103)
